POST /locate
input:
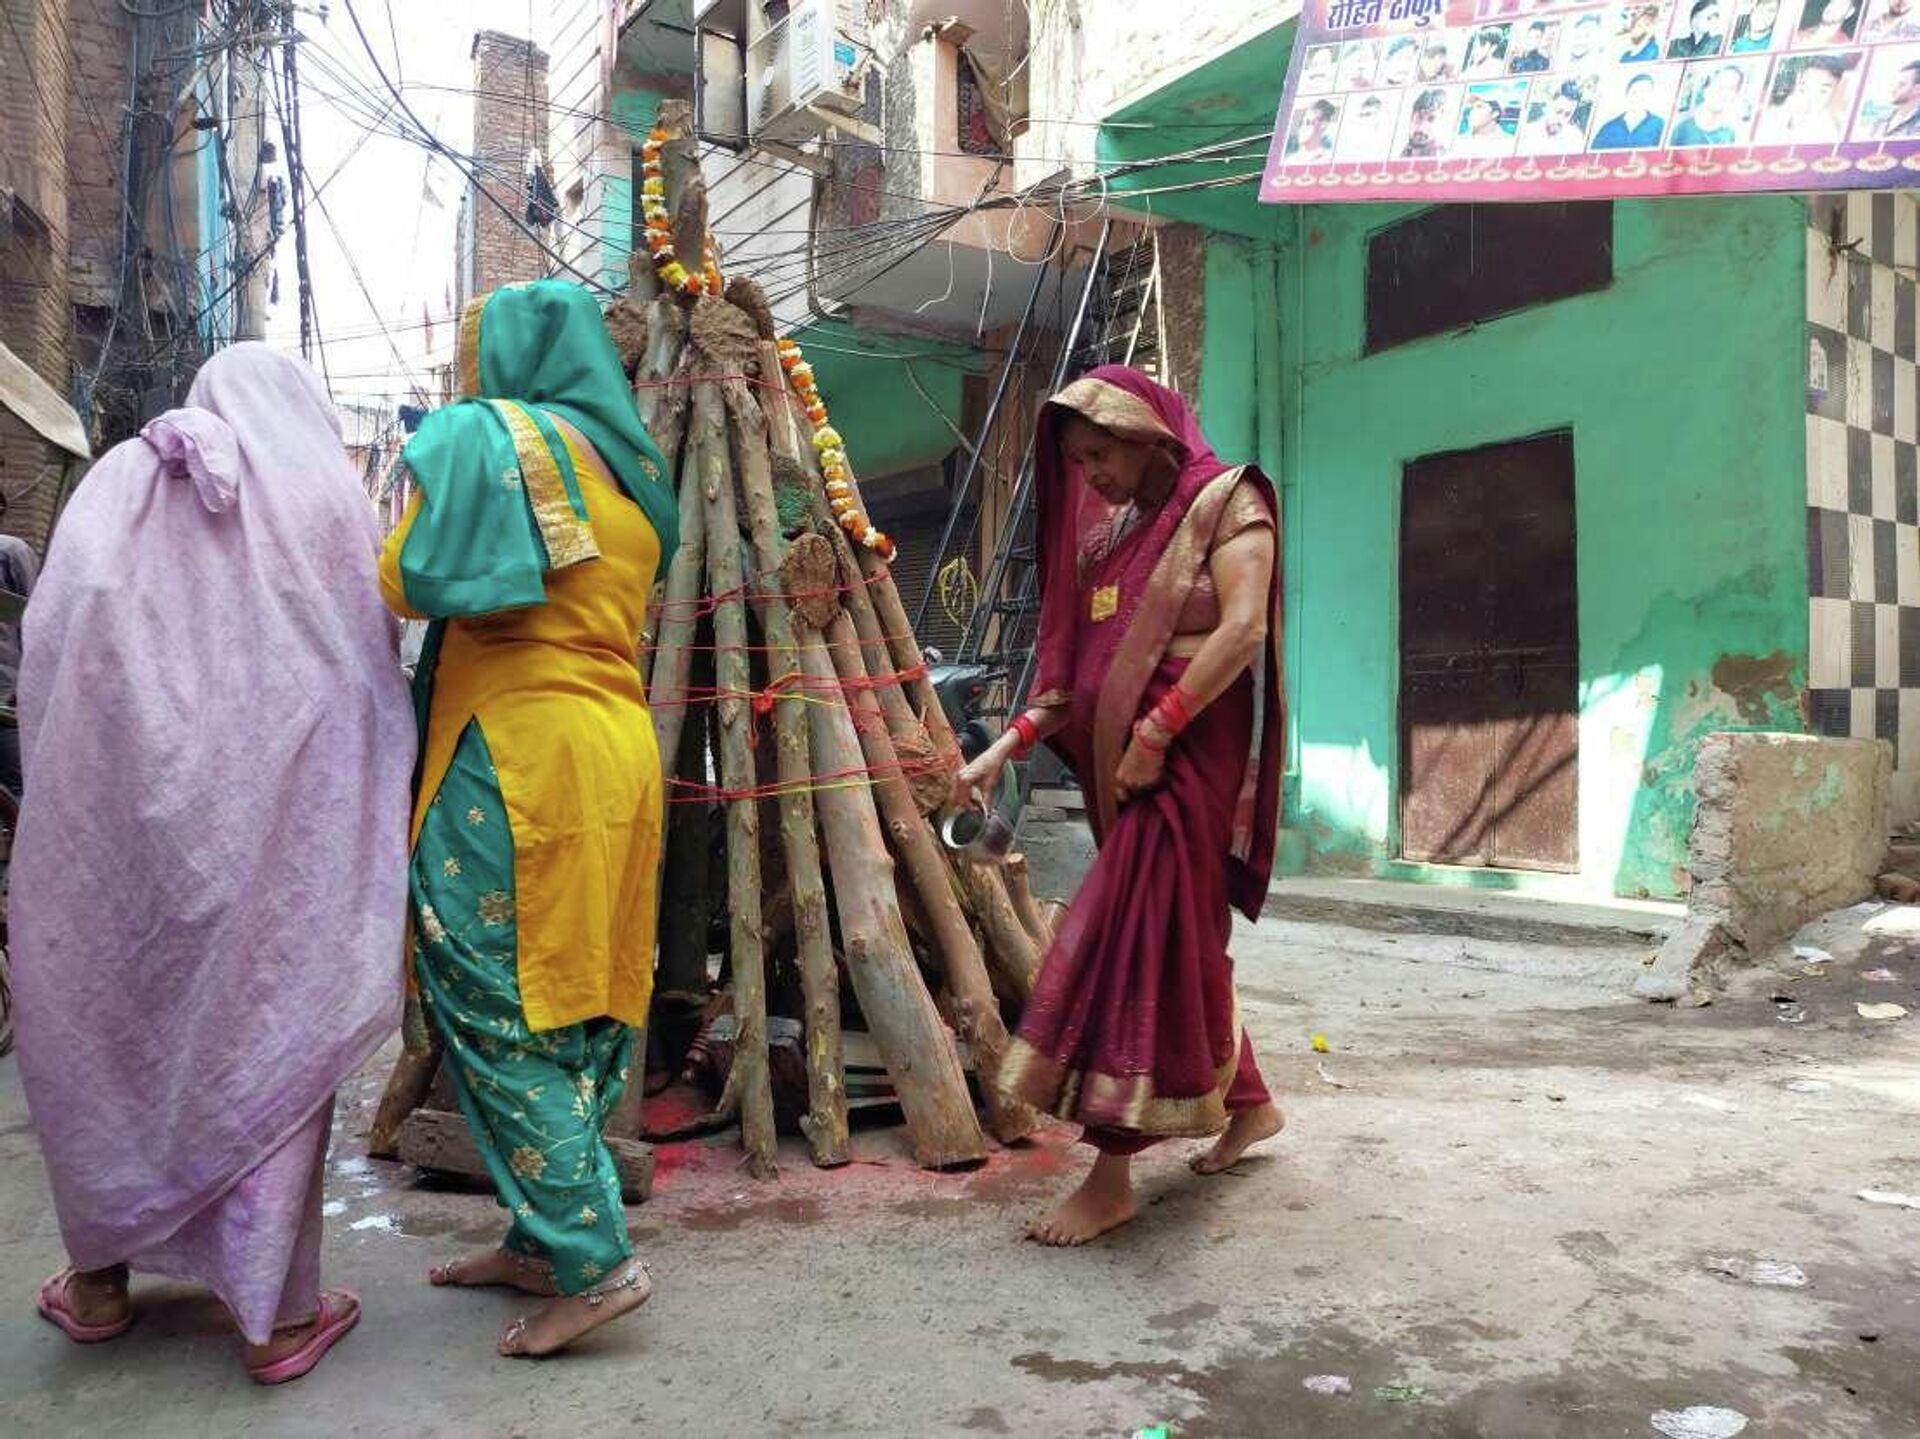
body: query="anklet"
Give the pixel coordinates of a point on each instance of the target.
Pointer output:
(628, 1276)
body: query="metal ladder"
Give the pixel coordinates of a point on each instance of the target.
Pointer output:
(1117, 318)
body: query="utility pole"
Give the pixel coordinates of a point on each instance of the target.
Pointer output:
(254, 28)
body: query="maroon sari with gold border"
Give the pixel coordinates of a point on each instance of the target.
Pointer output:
(1133, 1025)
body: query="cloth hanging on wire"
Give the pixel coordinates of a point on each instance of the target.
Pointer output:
(1000, 95)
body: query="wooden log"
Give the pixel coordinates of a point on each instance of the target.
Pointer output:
(686, 187)
(680, 971)
(825, 1122)
(749, 1079)
(678, 618)
(918, 1048)
(406, 1090)
(438, 1139)
(657, 394)
(1012, 950)
(1020, 890)
(890, 642)
(1014, 954)
(976, 1012)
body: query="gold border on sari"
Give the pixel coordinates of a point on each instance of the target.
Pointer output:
(568, 538)
(466, 349)
(1112, 408)
(1116, 1101)
(1147, 637)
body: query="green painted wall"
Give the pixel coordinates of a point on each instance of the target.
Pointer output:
(1230, 99)
(632, 110)
(1683, 386)
(896, 400)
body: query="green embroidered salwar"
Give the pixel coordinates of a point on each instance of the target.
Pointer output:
(536, 1103)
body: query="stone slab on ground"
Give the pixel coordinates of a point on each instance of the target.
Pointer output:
(439, 1140)
(1504, 1206)
(1399, 907)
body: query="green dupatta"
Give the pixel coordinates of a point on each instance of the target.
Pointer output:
(500, 503)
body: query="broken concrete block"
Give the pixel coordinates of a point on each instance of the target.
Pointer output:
(1786, 828)
(1693, 953)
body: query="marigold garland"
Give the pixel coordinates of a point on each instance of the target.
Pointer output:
(833, 454)
(675, 275)
(672, 271)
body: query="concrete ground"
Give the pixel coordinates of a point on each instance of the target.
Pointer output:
(1500, 1209)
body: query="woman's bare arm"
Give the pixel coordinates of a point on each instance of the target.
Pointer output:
(1242, 571)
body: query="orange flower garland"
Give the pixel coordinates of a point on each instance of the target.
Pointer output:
(833, 455)
(672, 271)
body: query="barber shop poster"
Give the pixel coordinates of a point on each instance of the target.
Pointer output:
(1520, 100)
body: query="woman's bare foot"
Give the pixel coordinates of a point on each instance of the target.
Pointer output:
(555, 1325)
(496, 1267)
(1103, 1201)
(1246, 1129)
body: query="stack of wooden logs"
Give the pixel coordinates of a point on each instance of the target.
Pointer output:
(784, 667)
(809, 626)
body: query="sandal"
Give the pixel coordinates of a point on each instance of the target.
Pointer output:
(54, 1307)
(339, 1312)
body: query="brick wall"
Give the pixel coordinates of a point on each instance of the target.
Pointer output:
(36, 320)
(100, 40)
(509, 125)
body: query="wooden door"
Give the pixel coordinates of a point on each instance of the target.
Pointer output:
(1489, 657)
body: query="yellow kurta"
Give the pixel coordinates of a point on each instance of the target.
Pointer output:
(557, 693)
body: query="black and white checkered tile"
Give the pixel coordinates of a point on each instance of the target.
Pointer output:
(1863, 468)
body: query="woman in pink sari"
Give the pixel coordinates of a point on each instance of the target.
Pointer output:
(1158, 679)
(209, 886)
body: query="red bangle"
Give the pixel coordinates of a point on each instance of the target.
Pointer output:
(1174, 716)
(1029, 734)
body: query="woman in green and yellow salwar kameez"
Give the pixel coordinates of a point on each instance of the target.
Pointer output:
(540, 523)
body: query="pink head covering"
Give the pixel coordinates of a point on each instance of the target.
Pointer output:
(1134, 407)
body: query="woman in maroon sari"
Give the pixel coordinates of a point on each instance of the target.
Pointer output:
(1158, 679)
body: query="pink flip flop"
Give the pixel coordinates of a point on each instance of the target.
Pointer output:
(54, 1308)
(339, 1312)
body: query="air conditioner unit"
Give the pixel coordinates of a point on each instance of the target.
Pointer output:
(801, 75)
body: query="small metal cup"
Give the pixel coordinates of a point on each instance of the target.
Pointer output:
(995, 841)
(984, 838)
(961, 828)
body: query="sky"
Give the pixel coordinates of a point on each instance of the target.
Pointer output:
(381, 239)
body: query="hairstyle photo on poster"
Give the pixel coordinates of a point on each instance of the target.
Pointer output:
(1755, 28)
(1558, 113)
(1426, 132)
(1315, 124)
(1366, 132)
(1890, 110)
(1641, 29)
(1490, 119)
(1893, 21)
(1718, 100)
(1810, 101)
(1634, 105)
